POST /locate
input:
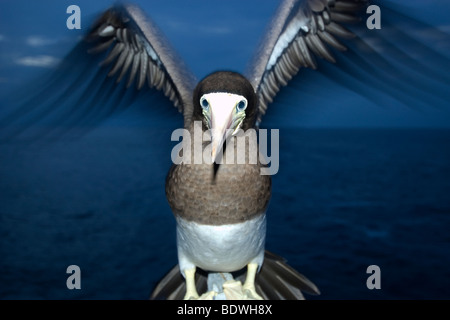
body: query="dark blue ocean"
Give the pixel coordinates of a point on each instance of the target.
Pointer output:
(343, 199)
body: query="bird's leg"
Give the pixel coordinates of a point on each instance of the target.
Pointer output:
(191, 290)
(249, 284)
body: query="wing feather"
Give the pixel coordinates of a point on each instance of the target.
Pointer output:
(300, 32)
(145, 54)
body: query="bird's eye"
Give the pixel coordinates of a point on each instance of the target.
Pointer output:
(241, 105)
(204, 103)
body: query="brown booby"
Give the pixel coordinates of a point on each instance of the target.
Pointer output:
(221, 224)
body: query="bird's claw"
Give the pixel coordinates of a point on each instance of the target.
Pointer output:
(206, 296)
(235, 291)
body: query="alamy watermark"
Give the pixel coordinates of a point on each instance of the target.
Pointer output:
(374, 280)
(74, 20)
(241, 148)
(74, 280)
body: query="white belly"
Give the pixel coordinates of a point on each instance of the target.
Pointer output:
(224, 248)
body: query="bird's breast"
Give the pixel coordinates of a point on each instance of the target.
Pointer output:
(235, 193)
(221, 248)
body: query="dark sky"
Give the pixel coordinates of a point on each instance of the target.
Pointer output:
(209, 35)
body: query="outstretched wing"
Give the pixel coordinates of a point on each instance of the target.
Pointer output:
(300, 32)
(123, 54)
(303, 32)
(137, 46)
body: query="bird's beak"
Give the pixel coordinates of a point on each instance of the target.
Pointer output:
(220, 131)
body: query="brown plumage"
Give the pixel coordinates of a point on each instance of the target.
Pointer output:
(237, 192)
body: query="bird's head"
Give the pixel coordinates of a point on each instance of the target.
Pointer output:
(225, 101)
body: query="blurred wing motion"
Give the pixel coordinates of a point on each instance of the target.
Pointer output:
(275, 281)
(391, 60)
(124, 53)
(124, 47)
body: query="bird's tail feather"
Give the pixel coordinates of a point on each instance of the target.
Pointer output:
(279, 281)
(275, 281)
